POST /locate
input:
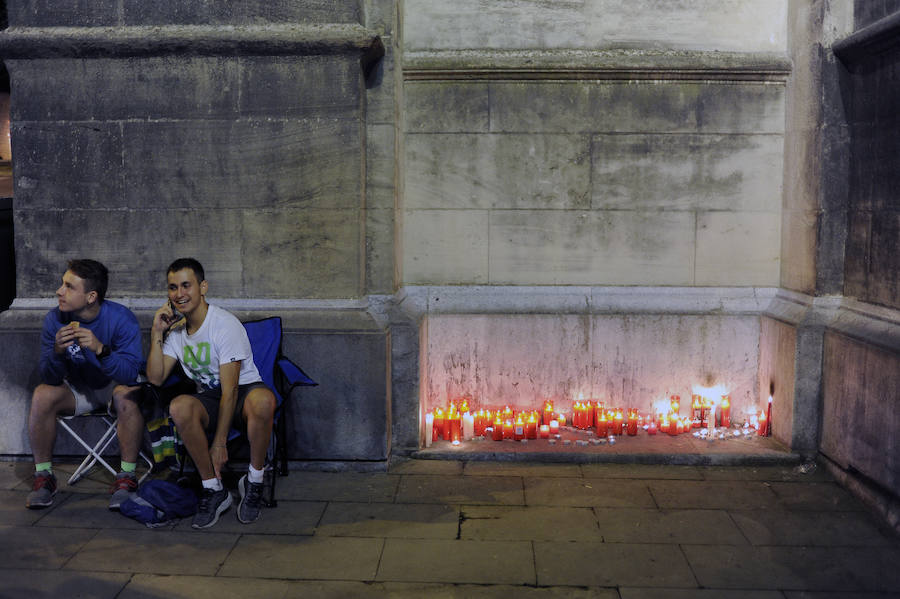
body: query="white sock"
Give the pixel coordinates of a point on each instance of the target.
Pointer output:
(254, 475)
(212, 483)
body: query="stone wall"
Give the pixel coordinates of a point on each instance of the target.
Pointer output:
(560, 144)
(237, 133)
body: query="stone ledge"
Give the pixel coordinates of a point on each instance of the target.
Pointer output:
(878, 37)
(595, 64)
(142, 41)
(418, 301)
(858, 320)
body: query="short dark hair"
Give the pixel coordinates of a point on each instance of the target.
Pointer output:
(191, 263)
(94, 275)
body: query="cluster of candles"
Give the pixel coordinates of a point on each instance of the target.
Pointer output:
(457, 423)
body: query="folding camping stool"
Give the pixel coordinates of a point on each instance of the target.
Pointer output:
(95, 453)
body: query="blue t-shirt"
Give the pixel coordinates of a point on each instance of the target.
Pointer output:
(115, 326)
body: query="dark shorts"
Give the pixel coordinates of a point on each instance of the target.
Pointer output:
(210, 400)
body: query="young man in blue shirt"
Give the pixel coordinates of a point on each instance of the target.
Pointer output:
(90, 354)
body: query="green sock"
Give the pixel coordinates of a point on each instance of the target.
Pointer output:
(128, 466)
(43, 467)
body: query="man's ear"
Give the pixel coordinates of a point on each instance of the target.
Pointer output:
(204, 287)
(92, 297)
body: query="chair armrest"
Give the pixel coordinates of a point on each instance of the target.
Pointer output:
(293, 374)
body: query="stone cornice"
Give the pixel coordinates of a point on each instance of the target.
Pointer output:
(594, 64)
(145, 41)
(878, 37)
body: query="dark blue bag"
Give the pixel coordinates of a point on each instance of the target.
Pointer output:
(159, 502)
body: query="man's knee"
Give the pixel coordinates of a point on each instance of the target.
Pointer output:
(127, 398)
(52, 399)
(259, 405)
(184, 409)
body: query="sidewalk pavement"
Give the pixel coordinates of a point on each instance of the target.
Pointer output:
(440, 529)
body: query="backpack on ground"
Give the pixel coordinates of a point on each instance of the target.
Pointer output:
(159, 502)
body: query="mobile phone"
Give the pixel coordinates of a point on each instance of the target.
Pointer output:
(176, 315)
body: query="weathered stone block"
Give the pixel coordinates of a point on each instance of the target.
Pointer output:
(346, 416)
(66, 13)
(571, 247)
(136, 246)
(738, 248)
(445, 246)
(856, 254)
(301, 253)
(687, 172)
(884, 261)
(256, 163)
(497, 171)
(380, 166)
(381, 87)
(304, 86)
(860, 415)
(379, 258)
(642, 106)
(623, 360)
(138, 12)
(447, 107)
(103, 89)
(68, 165)
(735, 25)
(798, 251)
(380, 15)
(777, 363)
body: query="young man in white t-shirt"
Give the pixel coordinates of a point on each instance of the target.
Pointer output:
(213, 349)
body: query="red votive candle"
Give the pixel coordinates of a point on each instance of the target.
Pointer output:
(545, 431)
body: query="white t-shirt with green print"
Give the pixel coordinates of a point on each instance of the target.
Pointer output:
(221, 339)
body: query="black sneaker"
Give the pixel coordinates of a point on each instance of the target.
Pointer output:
(251, 498)
(43, 488)
(212, 504)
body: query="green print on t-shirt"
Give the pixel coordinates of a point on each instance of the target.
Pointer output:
(197, 360)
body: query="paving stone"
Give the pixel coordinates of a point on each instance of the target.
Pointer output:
(56, 583)
(655, 471)
(795, 568)
(160, 550)
(51, 549)
(713, 494)
(611, 564)
(637, 593)
(667, 526)
(770, 473)
(14, 513)
(288, 556)
(815, 496)
(784, 527)
(81, 510)
(502, 490)
(485, 562)
(338, 486)
(288, 518)
(528, 523)
(441, 467)
(519, 469)
(842, 595)
(10, 476)
(151, 586)
(417, 590)
(408, 521)
(587, 492)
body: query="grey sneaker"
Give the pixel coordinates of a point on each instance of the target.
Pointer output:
(126, 484)
(212, 504)
(43, 488)
(251, 497)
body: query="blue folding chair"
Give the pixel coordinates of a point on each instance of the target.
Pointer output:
(281, 375)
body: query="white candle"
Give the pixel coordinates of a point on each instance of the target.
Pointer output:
(429, 428)
(468, 425)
